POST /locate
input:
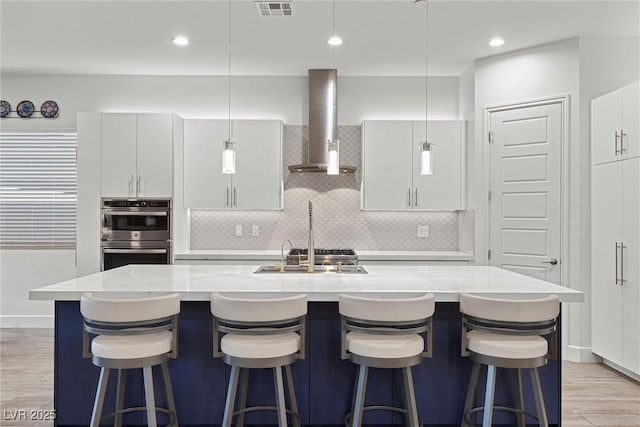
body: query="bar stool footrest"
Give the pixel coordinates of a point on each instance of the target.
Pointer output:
(295, 416)
(349, 417)
(467, 414)
(173, 418)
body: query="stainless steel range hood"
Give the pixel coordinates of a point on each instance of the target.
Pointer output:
(323, 121)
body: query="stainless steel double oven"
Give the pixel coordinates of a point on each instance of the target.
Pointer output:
(135, 231)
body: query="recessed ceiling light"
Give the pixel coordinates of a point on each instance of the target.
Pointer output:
(335, 41)
(181, 41)
(496, 41)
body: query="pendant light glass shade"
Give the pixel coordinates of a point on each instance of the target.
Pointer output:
(229, 157)
(426, 158)
(333, 159)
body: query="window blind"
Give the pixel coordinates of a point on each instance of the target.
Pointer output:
(38, 189)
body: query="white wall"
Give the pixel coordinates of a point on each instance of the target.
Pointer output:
(283, 98)
(21, 270)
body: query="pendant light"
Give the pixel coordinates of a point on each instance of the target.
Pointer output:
(426, 147)
(229, 146)
(333, 145)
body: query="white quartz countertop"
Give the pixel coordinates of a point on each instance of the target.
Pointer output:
(363, 256)
(197, 282)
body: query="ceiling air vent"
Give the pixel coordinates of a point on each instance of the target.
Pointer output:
(274, 8)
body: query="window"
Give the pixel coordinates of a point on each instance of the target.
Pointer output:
(38, 176)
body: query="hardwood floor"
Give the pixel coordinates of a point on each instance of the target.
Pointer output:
(593, 395)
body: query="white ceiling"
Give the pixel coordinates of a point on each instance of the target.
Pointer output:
(380, 37)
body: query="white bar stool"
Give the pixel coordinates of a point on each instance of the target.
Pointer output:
(131, 333)
(259, 332)
(507, 334)
(385, 333)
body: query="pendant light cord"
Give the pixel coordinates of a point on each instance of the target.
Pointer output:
(229, 69)
(333, 34)
(426, 67)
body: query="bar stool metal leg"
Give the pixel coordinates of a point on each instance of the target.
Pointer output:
(122, 377)
(150, 398)
(537, 392)
(231, 397)
(410, 405)
(471, 392)
(519, 397)
(488, 396)
(171, 404)
(358, 409)
(242, 403)
(280, 403)
(97, 405)
(295, 415)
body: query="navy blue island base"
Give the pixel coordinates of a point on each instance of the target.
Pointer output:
(324, 383)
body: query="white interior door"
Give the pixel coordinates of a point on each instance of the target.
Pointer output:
(525, 188)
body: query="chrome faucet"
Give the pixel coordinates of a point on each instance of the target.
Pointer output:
(282, 263)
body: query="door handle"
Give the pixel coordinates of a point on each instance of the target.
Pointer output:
(227, 202)
(409, 196)
(622, 135)
(622, 248)
(235, 197)
(138, 185)
(617, 280)
(415, 200)
(616, 143)
(131, 185)
(552, 261)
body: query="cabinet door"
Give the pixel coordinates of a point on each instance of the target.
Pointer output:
(631, 269)
(155, 155)
(258, 179)
(606, 116)
(442, 189)
(118, 155)
(386, 165)
(606, 231)
(631, 119)
(205, 186)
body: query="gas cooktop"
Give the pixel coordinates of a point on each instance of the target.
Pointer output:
(324, 256)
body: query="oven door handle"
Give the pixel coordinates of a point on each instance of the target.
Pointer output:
(135, 251)
(136, 213)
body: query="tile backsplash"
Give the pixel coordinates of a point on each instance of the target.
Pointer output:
(338, 220)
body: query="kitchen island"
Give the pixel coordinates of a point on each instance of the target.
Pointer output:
(323, 382)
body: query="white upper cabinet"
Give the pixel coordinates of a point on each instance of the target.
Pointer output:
(391, 166)
(137, 155)
(615, 133)
(257, 183)
(386, 164)
(442, 189)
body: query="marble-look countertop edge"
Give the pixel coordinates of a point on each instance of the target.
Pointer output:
(363, 256)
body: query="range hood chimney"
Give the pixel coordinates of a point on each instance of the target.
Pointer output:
(323, 121)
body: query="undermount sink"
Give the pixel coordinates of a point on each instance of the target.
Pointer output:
(345, 269)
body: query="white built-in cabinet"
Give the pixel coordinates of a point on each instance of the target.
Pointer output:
(615, 229)
(136, 155)
(391, 166)
(257, 183)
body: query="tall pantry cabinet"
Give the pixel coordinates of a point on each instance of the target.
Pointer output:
(615, 228)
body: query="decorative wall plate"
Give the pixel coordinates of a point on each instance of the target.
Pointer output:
(5, 108)
(49, 109)
(25, 109)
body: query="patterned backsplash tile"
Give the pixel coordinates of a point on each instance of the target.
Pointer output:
(338, 220)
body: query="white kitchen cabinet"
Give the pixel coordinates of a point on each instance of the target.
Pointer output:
(616, 125)
(615, 263)
(391, 166)
(136, 155)
(257, 183)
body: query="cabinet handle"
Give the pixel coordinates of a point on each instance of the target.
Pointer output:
(617, 280)
(616, 144)
(415, 200)
(227, 204)
(235, 197)
(138, 185)
(409, 196)
(622, 135)
(131, 185)
(622, 248)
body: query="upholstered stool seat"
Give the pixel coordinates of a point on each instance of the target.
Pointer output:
(507, 334)
(259, 332)
(131, 333)
(385, 333)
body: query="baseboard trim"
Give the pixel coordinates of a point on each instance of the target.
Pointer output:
(574, 353)
(22, 321)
